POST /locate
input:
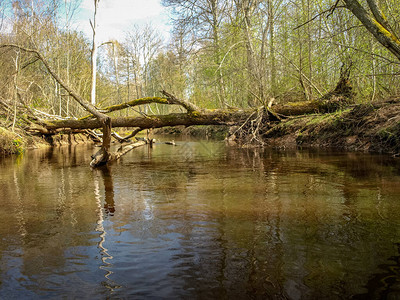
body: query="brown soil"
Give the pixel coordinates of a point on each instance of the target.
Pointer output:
(364, 127)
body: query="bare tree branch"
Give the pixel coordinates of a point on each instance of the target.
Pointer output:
(90, 108)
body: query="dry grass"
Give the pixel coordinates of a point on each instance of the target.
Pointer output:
(10, 142)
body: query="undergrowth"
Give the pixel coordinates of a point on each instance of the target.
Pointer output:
(10, 142)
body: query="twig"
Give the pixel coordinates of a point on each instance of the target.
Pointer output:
(244, 123)
(301, 73)
(330, 10)
(333, 8)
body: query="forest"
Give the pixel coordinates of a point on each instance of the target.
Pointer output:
(241, 63)
(253, 152)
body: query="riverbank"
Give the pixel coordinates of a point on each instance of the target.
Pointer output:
(11, 142)
(372, 127)
(363, 127)
(18, 141)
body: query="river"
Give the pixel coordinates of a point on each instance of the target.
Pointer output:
(199, 220)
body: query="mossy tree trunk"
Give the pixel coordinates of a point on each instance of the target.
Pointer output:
(376, 23)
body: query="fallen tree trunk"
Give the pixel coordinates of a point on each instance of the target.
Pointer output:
(310, 107)
(255, 118)
(205, 117)
(201, 117)
(133, 103)
(252, 121)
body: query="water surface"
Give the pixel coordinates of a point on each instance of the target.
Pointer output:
(199, 220)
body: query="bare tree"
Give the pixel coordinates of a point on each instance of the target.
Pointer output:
(202, 20)
(94, 55)
(142, 44)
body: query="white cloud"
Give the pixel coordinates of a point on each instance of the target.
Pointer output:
(114, 17)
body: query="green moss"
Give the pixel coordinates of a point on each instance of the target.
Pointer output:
(316, 120)
(386, 134)
(195, 114)
(299, 104)
(386, 32)
(18, 146)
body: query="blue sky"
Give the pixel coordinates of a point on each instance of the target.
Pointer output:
(115, 17)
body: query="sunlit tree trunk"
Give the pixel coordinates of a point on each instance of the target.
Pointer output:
(254, 79)
(15, 90)
(94, 56)
(217, 51)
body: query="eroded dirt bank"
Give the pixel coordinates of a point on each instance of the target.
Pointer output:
(363, 127)
(18, 141)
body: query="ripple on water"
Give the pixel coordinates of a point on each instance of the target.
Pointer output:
(199, 220)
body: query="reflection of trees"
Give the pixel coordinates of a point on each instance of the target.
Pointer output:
(44, 223)
(385, 283)
(239, 223)
(109, 209)
(227, 255)
(311, 228)
(226, 249)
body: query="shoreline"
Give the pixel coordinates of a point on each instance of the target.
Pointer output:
(373, 127)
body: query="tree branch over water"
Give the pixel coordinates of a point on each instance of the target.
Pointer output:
(194, 115)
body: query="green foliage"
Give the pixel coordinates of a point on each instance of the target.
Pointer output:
(389, 137)
(237, 53)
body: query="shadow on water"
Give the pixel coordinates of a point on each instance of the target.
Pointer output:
(384, 284)
(109, 205)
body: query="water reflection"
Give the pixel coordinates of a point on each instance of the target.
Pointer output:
(386, 283)
(199, 220)
(106, 257)
(109, 205)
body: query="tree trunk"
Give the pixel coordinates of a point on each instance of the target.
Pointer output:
(381, 32)
(103, 155)
(94, 56)
(199, 117)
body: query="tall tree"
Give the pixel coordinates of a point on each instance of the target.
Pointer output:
(202, 21)
(94, 54)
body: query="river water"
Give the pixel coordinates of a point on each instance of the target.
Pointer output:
(199, 220)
